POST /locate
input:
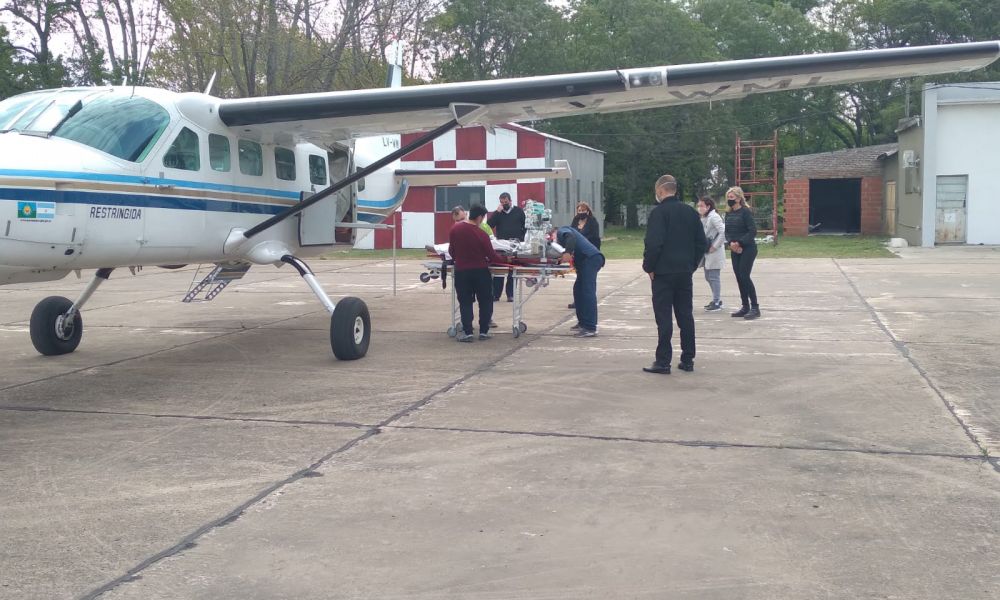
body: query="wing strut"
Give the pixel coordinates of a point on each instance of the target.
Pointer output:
(357, 175)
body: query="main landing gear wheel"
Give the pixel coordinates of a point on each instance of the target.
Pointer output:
(350, 329)
(52, 333)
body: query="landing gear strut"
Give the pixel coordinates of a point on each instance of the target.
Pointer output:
(350, 322)
(56, 325)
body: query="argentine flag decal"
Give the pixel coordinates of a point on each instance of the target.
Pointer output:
(36, 211)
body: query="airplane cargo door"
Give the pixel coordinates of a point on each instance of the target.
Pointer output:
(317, 224)
(949, 222)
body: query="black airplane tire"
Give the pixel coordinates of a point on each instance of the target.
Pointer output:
(350, 329)
(44, 336)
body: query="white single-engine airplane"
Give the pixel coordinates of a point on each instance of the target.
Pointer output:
(102, 178)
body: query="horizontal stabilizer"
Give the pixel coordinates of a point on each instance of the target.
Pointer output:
(431, 177)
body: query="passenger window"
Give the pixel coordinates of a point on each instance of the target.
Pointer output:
(361, 182)
(218, 152)
(183, 153)
(251, 158)
(317, 169)
(284, 164)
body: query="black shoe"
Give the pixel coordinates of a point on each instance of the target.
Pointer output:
(753, 314)
(657, 368)
(713, 306)
(510, 299)
(710, 305)
(740, 313)
(571, 305)
(686, 366)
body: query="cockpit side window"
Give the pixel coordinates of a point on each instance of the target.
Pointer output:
(123, 126)
(218, 152)
(183, 153)
(251, 158)
(284, 164)
(317, 169)
(11, 108)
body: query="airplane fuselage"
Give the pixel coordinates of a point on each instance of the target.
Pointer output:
(150, 177)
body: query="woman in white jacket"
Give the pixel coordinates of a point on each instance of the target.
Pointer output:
(715, 258)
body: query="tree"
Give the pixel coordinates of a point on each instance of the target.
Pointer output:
(488, 39)
(38, 20)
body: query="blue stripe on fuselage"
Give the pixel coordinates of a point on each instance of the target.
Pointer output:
(136, 179)
(138, 200)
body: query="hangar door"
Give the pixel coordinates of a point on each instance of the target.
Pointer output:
(834, 205)
(949, 222)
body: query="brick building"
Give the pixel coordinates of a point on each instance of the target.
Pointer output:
(836, 192)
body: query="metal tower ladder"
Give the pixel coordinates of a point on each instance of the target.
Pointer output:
(757, 173)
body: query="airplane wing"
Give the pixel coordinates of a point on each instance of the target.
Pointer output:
(334, 116)
(561, 170)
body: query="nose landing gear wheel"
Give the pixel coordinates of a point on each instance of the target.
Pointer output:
(52, 333)
(350, 329)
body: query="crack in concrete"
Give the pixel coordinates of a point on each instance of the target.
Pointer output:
(387, 424)
(711, 444)
(904, 350)
(115, 413)
(190, 540)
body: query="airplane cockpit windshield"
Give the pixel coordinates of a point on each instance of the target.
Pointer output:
(123, 126)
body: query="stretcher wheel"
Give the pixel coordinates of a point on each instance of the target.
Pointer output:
(425, 277)
(519, 329)
(452, 331)
(530, 282)
(522, 326)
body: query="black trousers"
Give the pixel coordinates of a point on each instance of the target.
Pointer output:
(742, 265)
(498, 287)
(472, 285)
(673, 293)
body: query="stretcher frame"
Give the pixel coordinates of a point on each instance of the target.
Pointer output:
(532, 276)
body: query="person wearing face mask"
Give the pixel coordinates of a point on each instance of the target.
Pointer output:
(584, 221)
(507, 222)
(674, 246)
(740, 233)
(715, 257)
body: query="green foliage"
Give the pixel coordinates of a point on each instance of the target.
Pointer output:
(487, 39)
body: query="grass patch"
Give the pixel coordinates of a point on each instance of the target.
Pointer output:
(628, 243)
(619, 242)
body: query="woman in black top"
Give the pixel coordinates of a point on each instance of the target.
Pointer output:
(740, 233)
(587, 224)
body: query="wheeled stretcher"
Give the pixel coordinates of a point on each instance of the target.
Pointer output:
(528, 278)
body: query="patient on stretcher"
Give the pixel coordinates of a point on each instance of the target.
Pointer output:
(532, 249)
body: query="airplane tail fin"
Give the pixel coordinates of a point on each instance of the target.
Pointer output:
(394, 58)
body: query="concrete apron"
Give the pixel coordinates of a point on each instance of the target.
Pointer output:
(832, 448)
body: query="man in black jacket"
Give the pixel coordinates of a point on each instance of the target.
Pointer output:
(675, 244)
(507, 222)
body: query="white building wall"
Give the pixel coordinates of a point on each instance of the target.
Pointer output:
(969, 144)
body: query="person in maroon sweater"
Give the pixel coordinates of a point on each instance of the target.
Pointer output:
(473, 252)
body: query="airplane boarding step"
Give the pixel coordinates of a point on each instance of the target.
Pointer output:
(219, 278)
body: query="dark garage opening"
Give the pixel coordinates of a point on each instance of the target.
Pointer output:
(834, 206)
